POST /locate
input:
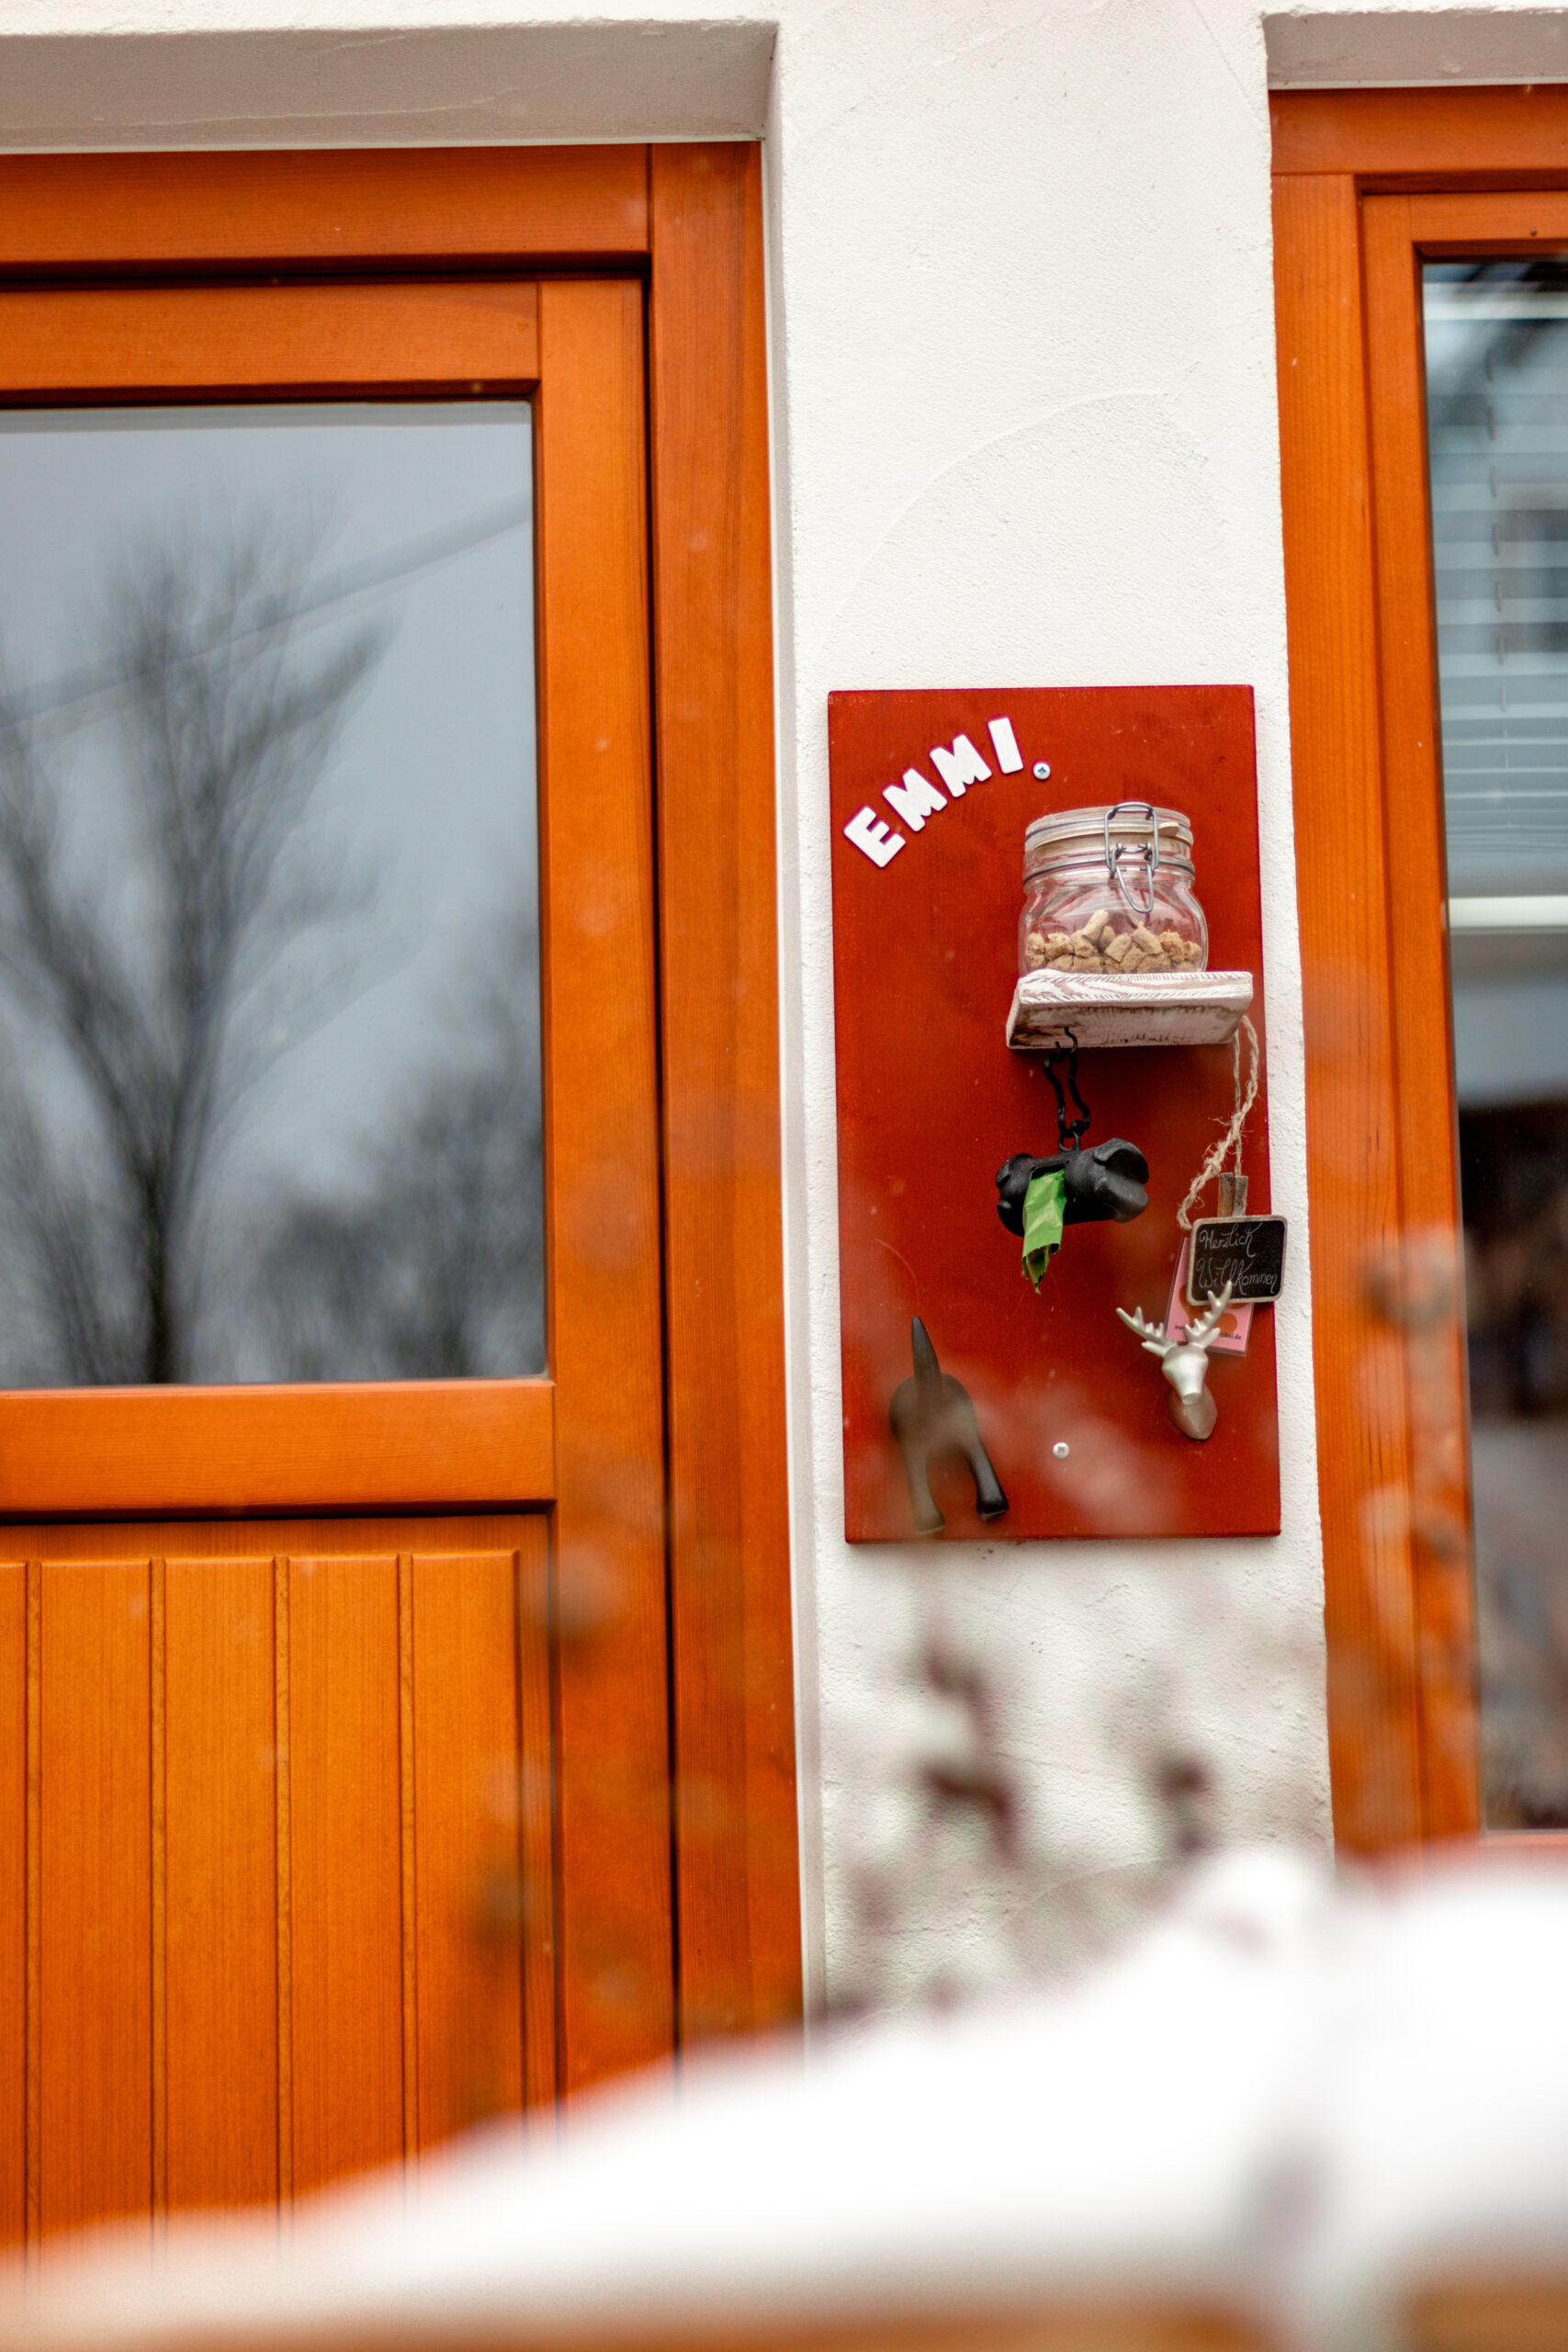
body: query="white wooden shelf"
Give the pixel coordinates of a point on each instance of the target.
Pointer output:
(1145, 1009)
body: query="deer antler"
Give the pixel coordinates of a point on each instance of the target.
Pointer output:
(1198, 1334)
(1185, 1364)
(1151, 1334)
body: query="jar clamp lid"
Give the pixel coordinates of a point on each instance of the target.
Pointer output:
(1133, 837)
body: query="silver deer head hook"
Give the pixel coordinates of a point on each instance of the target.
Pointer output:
(1185, 1364)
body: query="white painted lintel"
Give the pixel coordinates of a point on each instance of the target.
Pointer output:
(416, 85)
(1314, 48)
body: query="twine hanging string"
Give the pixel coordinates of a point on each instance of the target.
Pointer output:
(1231, 1139)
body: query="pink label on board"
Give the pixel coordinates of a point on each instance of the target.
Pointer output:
(1230, 1339)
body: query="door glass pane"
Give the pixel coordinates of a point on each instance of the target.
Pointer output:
(269, 1000)
(1496, 336)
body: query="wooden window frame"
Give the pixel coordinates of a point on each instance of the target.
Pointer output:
(1367, 184)
(684, 223)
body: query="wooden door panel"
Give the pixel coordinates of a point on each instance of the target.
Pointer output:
(469, 2056)
(219, 1827)
(95, 1829)
(13, 1893)
(285, 1848)
(346, 1817)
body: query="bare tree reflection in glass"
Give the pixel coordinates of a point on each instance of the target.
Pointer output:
(431, 1267)
(269, 1065)
(224, 718)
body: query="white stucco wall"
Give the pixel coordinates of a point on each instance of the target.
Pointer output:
(1027, 361)
(1023, 377)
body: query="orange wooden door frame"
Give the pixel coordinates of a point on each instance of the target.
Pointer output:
(698, 1701)
(1366, 184)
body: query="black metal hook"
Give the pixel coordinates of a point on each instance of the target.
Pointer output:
(1100, 1181)
(1070, 1133)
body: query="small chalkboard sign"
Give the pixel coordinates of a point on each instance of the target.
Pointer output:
(1249, 1252)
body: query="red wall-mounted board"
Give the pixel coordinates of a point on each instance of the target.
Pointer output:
(931, 1101)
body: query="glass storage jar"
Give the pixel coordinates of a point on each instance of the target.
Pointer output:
(1111, 890)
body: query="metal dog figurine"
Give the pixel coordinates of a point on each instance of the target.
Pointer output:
(933, 1415)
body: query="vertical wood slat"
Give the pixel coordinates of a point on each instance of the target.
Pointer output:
(1352, 1118)
(221, 1883)
(95, 2021)
(614, 1937)
(33, 2222)
(159, 1891)
(13, 1900)
(1407, 686)
(737, 1869)
(345, 1866)
(536, 1826)
(283, 2016)
(469, 1905)
(408, 1852)
(1431, 1294)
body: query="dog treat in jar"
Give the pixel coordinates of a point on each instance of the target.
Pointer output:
(1111, 890)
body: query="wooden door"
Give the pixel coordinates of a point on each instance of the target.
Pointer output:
(291, 1881)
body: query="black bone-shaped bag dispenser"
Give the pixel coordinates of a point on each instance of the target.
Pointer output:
(1103, 1180)
(1079, 1184)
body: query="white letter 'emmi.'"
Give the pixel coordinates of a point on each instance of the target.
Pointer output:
(916, 798)
(868, 833)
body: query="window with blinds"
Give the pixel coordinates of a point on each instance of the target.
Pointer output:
(1496, 348)
(1497, 394)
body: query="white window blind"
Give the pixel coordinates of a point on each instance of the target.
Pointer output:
(1497, 337)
